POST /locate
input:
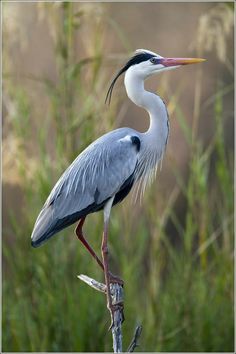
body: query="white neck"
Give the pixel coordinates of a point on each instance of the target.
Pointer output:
(153, 104)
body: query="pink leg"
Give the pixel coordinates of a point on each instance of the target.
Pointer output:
(79, 233)
(109, 277)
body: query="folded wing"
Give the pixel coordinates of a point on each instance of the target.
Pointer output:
(98, 173)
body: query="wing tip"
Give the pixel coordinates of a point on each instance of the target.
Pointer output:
(37, 243)
(34, 244)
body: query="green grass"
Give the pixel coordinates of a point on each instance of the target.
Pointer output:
(177, 264)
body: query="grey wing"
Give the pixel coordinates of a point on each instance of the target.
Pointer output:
(96, 175)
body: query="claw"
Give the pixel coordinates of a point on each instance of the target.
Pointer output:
(119, 306)
(115, 279)
(111, 325)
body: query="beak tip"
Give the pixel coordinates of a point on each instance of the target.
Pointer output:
(194, 61)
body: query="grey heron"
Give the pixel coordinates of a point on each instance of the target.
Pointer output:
(104, 173)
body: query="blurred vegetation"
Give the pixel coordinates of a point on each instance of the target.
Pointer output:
(177, 267)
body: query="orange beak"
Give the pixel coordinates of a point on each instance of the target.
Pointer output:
(180, 61)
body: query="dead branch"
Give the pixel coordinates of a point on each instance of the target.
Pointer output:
(117, 295)
(134, 342)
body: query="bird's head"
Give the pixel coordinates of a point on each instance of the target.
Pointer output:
(145, 63)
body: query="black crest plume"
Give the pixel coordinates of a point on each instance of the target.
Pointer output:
(136, 59)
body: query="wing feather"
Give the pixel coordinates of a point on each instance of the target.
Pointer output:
(95, 175)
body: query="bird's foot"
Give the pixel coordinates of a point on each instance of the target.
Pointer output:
(114, 279)
(119, 306)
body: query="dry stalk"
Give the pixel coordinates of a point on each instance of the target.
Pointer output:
(117, 295)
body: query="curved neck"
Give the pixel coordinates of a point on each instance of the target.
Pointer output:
(152, 103)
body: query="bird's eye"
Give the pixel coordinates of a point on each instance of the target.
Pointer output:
(153, 60)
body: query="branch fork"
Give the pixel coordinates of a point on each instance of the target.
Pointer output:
(117, 296)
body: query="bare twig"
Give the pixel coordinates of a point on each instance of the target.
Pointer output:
(93, 283)
(134, 342)
(117, 295)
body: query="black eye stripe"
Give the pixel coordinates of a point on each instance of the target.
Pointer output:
(136, 59)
